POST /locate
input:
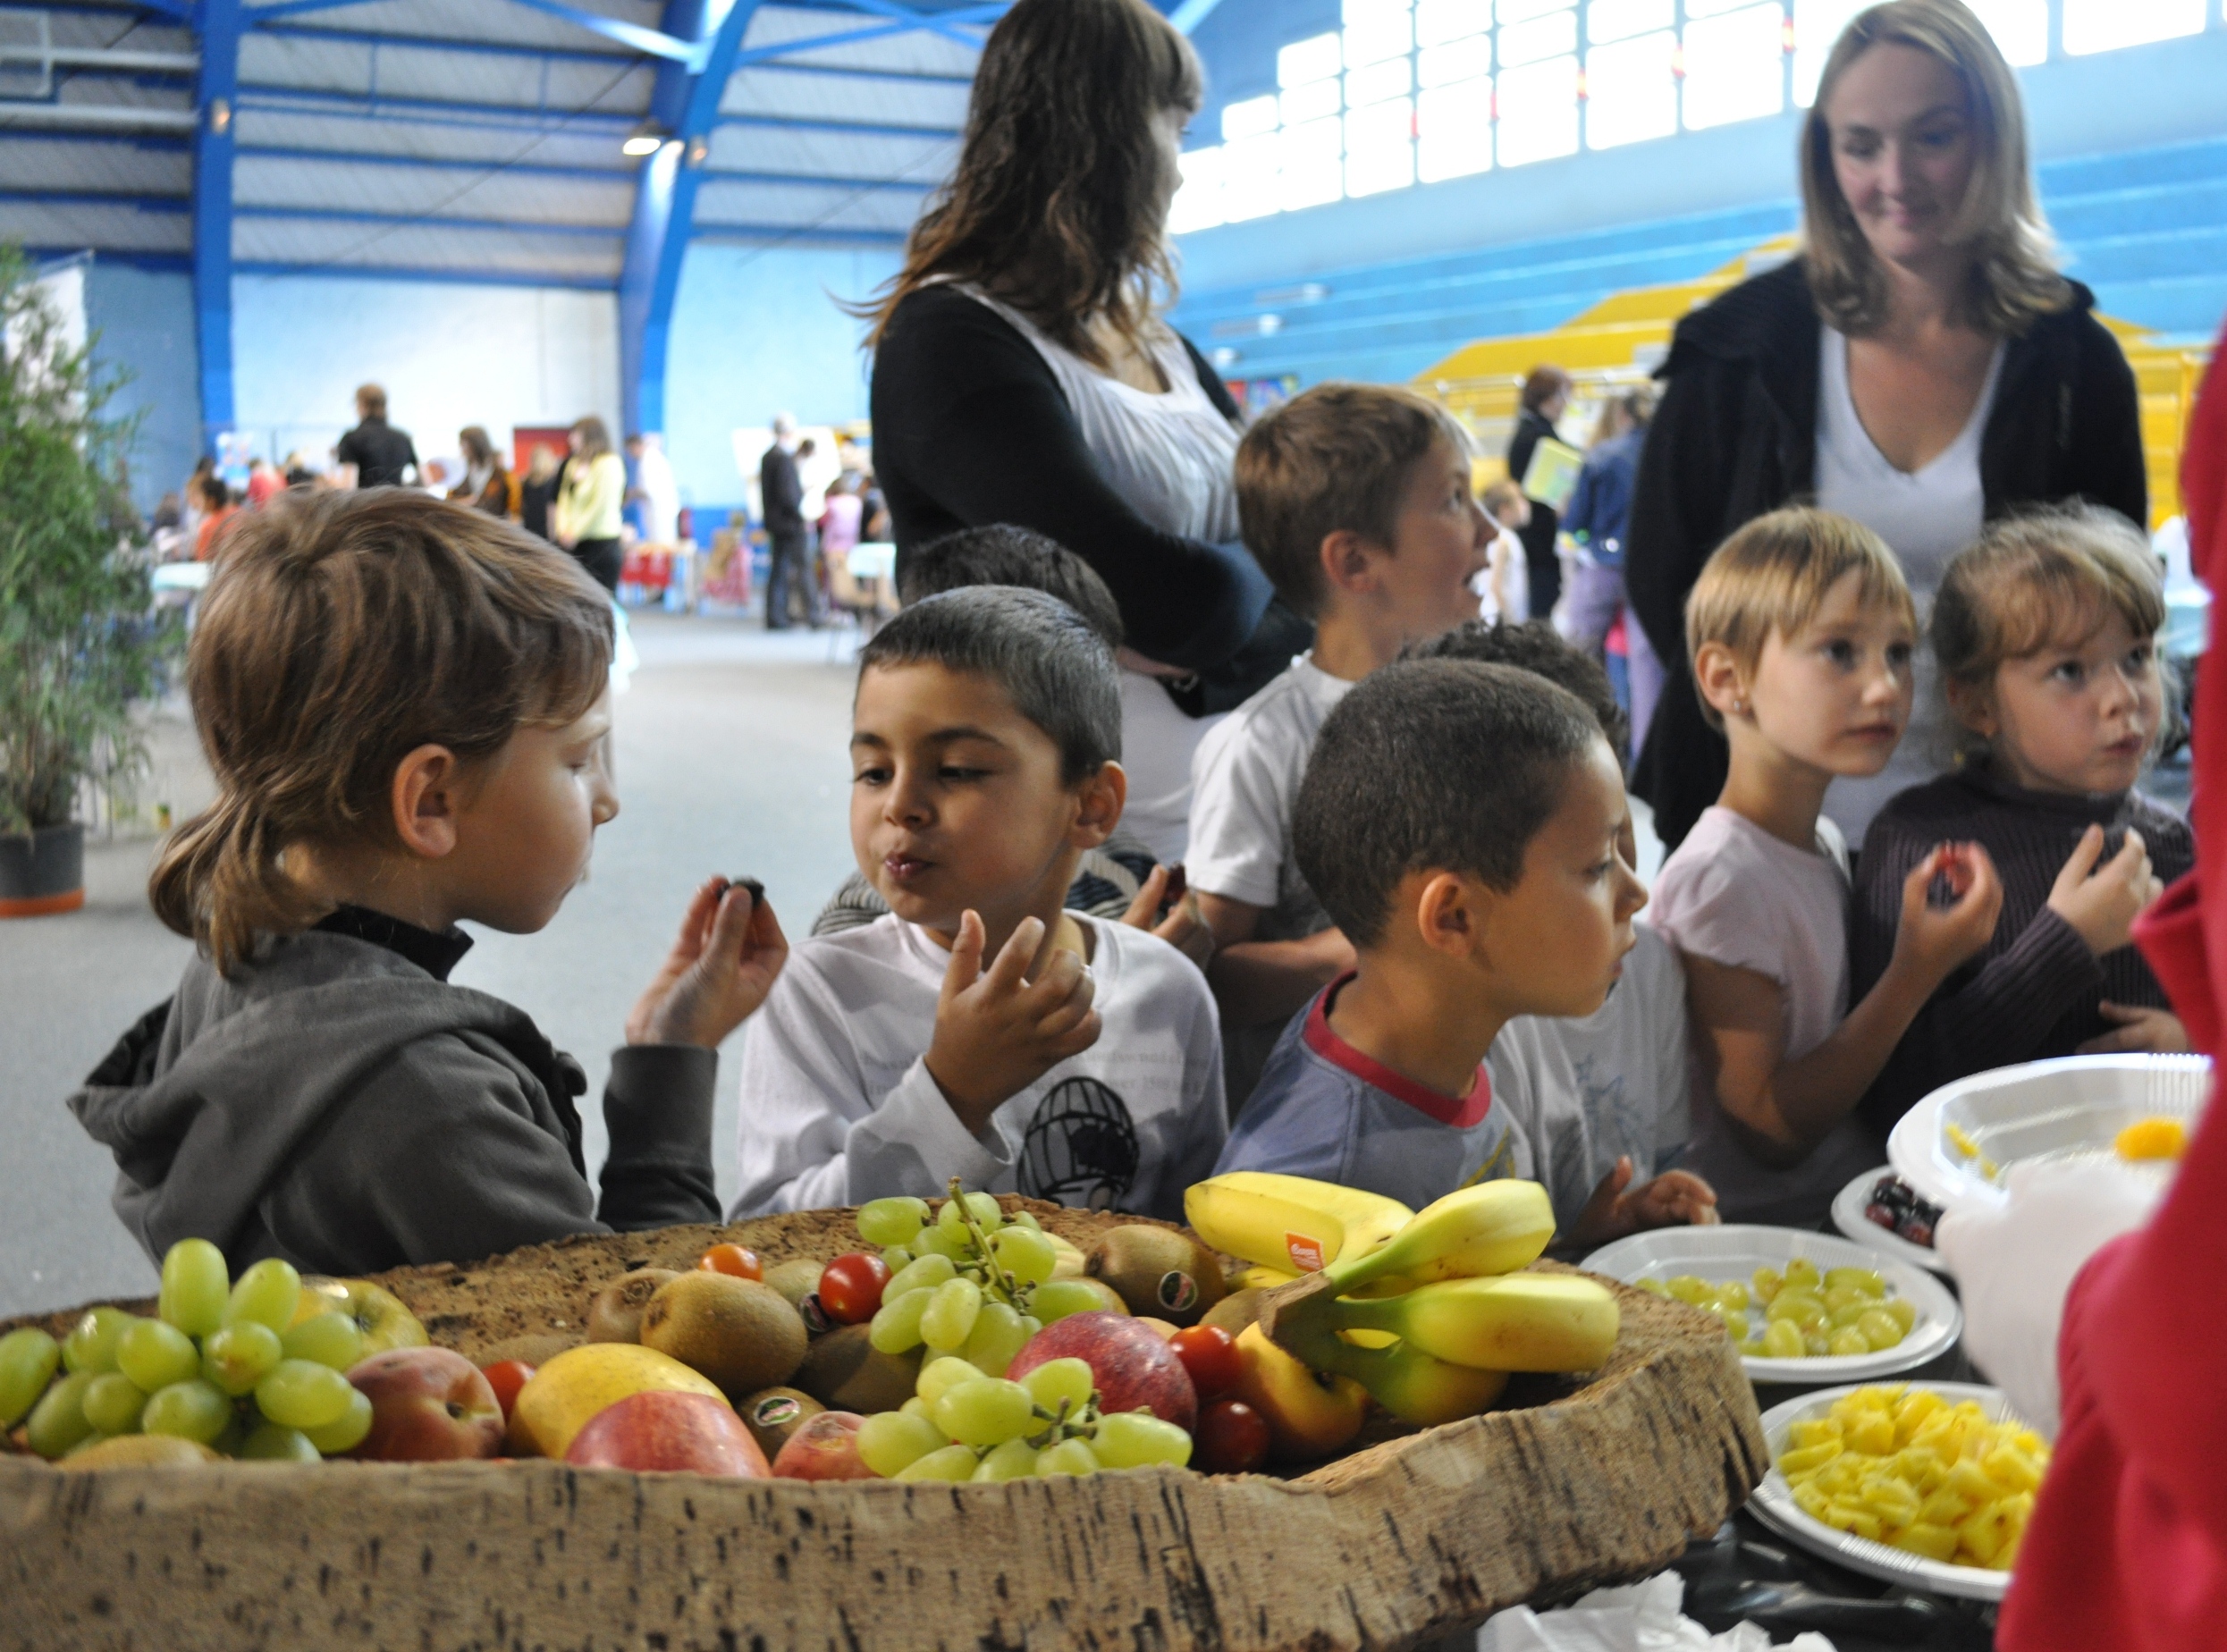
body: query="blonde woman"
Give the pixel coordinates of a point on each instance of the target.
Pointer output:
(1921, 368)
(589, 503)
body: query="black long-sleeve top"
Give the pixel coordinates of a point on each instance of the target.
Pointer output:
(781, 493)
(1542, 564)
(2032, 992)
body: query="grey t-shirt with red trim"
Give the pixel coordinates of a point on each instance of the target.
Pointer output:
(1324, 1109)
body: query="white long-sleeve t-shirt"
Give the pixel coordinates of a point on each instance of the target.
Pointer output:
(839, 1107)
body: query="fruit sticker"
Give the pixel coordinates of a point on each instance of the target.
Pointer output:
(1306, 1252)
(1178, 1291)
(774, 1410)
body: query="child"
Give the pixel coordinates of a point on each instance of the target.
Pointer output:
(1601, 1098)
(1507, 580)
(2046, 633)
(1474, 893)
(1356, 500)
(404, 702)
(1800, 631)
(1081, 1064)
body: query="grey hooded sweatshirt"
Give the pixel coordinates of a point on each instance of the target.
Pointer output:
(337, 1103)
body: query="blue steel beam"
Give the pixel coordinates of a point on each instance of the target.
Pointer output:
(1191, 14)
(217, 95)
(655, 43)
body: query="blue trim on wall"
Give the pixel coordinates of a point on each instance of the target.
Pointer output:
(217, 95)
(361, 157)
(526, 280)
(432, 221)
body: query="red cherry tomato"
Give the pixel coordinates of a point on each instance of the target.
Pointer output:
(732, 1258)
(850, 1290)
(1210, 1353)
(1232, 1439)
(506, 1378)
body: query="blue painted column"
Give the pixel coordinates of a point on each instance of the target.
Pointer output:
(215, 102)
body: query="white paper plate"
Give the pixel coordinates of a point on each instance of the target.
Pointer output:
(2065, 1109)
(1848, 1216)
(1736, 1251)
(1773, 1505)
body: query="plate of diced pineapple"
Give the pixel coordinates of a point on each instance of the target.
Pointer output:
(1800, 1306)
(1927, 1485)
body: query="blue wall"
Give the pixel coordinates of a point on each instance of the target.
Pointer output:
(143, 320)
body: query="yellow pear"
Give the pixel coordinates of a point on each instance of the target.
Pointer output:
(561, 1398)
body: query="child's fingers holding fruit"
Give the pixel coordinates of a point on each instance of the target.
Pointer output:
(2102, 902)
(730, 951)
(1933, 939)
(998, 1033)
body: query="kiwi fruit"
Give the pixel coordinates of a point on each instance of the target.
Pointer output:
(741, 1334)
(773, 1414)
(845, 1371)
(615, 1315)
(1236, 1311)
(1157, 1271)
(794, 1280)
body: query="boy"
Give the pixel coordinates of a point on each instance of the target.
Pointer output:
(405, 704)
(1601, 1099)
(1473, 893)
(1081, 1064)
(1356, 500)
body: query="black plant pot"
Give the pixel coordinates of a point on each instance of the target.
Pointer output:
(44, 872)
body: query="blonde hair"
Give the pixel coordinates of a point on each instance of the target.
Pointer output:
(1773, 575)
(2013, 280)
(342, 631)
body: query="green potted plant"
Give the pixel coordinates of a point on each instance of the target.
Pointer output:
(79, 643)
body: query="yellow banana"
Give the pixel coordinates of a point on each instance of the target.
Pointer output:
(1493, 1227)
(1369, 1218)
(1515, 1322)
(1411, 1385)
(1267, 1229)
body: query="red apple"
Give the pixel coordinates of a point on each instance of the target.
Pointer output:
(1132, 1365)
(825, 1448)
(667, 1429)
(427, 1405)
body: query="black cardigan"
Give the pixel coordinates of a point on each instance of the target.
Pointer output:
(1736, 437)
(970, 427)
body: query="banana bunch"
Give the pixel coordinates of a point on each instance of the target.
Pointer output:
(1429, 1315)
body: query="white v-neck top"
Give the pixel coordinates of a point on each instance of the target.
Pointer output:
(1926, 516)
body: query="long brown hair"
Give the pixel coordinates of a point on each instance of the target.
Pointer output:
(1055, 205)
(342, 631)
(594, 437)
(2014, 278)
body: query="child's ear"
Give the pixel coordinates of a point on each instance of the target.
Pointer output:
(1448, 913)
(1349, 560)
(425, 798)
(1974, 706)
(1099, 800)
(1718, 675)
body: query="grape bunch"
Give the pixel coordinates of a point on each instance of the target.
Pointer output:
(963, 1424)
(968, 1282)
(228, 1363)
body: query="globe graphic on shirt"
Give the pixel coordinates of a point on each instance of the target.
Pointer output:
(1081, 1147)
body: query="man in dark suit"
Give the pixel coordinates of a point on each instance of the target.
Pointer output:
(781, 499)
(380, 455)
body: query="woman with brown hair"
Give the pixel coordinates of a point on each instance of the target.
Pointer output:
(1921, 367)
(1023, 373)
(589, 502)
(486, 485)
(1546, 396)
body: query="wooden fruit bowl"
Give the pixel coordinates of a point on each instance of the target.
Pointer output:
(1415, 1536)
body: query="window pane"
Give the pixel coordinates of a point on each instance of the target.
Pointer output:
(1372, 171)
(1438, 20)
(1619, 20)
(1380, 125)
(1523, 10)
(1311, 172)
(1554, 34)
(1250, 172)
(1817, 23)
(2105, 25)
(2021, 28)
(1453, 131)
(1374, 32)
(1538, 112)
(1302, 61)
(1629, 94)
(1457, 59)
(1310, 102)
(1734, 69)
(1378, 81)
(1198, 203)
(1249, 119)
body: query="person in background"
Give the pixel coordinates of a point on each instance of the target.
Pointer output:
(656, 489)
(780, 507)
(298, 471)
(840, 518)
(169, 513)
(374, 454)
(537, 490)
(1599, 519)
(1546, 396)
(486, 485)
(588, 505)
(191, 523)
(218, 508)
(263, 482)
(1507, 583)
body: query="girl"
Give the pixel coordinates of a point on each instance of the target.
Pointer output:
(587, 504)
(2046, 632)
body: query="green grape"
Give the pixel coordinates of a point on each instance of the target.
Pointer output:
(1801, 1271)
(951, 1463)
(1734, 1295)
(58, 1420)
(1067, 1457)
(155, 1354)
(1689, 1288)
(988, 1412)
(922, 1273)
(951, 1243)
(267, 1293)
(999, 1333)
(269, 1443)
(918, 1407)
(348, 1432)
(91, 1344)
(1864, 1279)
(1025, 1254)
(1656, 1287)
(1056, 1299)
(1816, 1344)
(113, 1401)
(1736, 1325)
(1903, 1312)
(940, 1376)
(195, 1287)
(1843, 1318)
(240, 1355)
(1846, 1341)
(892, 1221)
(299, 1394)
(891, 1441)
(897, 1258)
(1014, 1459)
(1022, 1219)
(1880, 1329)
(28, 1359)
(949, 1318)
(1782, 1340)
(1132, 1439)
(332, 1339)
(984, 1206)
(896, 1327)
(1055, 1381)
(1766, 1283)
(192, 1410)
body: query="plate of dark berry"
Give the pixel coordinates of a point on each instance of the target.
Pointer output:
(1882, 1211)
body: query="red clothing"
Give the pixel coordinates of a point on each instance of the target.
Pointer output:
(263, 486)
(212, 526)
(2128, 1547)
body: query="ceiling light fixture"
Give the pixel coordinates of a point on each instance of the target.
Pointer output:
(647, 138)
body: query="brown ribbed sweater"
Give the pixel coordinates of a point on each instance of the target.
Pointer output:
(2033, 990)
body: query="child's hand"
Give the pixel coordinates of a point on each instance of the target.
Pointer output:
(997, 1034)
(1675, 1199)
(1184, 928)
(2102, 908)
(2158, 1032)
(1933, 940)
(730, 949)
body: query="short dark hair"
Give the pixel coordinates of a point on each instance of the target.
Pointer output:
(1432, 765)
(1001, 555)
(1053, 664)
(1534, 645)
